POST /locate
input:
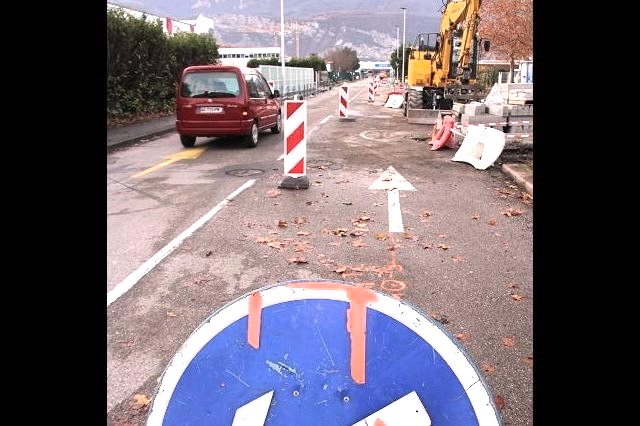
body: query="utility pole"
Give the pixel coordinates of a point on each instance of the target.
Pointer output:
(397, 47)
(404, 32)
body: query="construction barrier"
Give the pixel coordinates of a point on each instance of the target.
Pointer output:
(343, 102)
(295, 138)
(371, 94)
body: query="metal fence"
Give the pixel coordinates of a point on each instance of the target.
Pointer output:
(299, 81)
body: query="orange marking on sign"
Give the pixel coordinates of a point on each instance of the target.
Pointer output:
(379, 423)
(254, 318)
(356, 320)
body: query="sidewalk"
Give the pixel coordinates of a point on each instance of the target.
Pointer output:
(142, 130)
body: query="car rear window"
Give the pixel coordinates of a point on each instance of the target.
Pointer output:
(210, 84)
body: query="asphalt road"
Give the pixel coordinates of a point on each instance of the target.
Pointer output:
(465, 257)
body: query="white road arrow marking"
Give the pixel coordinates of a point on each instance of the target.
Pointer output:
(406, 411)
(253, 413)
(394, 182)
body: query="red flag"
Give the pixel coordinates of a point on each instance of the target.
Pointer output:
(169, 25)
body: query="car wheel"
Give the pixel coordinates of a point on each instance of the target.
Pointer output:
(278, 127)
(252, 138)
(187, 141)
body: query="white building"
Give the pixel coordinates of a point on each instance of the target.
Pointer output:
(239, 56)
(200, 25)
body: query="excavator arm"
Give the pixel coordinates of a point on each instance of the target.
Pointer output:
(460, 19)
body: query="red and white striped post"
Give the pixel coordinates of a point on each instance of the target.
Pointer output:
(295, 145)
(371, 95)
(343, 104)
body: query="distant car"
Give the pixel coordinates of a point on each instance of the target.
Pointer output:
(219, 100)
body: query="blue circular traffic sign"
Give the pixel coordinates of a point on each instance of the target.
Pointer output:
(321, 353)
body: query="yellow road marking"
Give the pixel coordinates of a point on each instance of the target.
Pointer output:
(187, 154)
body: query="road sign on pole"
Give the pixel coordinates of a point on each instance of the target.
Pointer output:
(321, 353)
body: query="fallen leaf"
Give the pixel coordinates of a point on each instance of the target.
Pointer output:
(443, 319)
(298, 259)
(347, 203)
(499, 402)
(341, 232)
(527, 360)
(512, 285)
(263, 240)
(275, 244)
(457, 259)
(508, 341)
(273, 193)
(300, 220)
(492, 222)
(364, 218)
(282, 223)
(305, 233)
(427, 246)
(334, 243)
(358, 243)
(462, 337)
(140, 401)
(324, 195)
(340, 269)
(526, 197)
(377, 204)
(443, 246)
(511, 212)
(442, 236)
(361, 225)
(488, 368)
(309, 203)
(357, 233)
(273, 231)
(171, 314)
(207, 254)
(381, 236)
(516, 297)
(475, 216)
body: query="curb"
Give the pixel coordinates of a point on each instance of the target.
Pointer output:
(143, 135)
(519, 177)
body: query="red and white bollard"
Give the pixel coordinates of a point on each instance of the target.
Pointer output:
(295, 145)
(343, 104)
(371, 94)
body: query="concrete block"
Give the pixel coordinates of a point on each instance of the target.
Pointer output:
(482, 119)
(500, 110)
(459, 108)
(475, 109)
(422, 116)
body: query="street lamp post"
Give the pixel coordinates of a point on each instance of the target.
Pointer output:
(404, 31)
(282, 46)
(397, 47)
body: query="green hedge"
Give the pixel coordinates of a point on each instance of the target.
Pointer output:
(144, 65)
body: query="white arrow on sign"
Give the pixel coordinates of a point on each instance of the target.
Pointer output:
(253, 413)
(393, 181)
(406, 411)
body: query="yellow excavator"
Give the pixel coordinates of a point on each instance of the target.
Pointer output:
(442, 66)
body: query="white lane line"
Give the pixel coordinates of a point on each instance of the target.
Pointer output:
(147, 266)
(359, 93)
(311, 131)
(327, 118)
(395, 214)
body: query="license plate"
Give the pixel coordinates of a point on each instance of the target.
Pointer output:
(209, 110)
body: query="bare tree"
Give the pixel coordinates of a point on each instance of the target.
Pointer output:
(508, 24)
(344, 59)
